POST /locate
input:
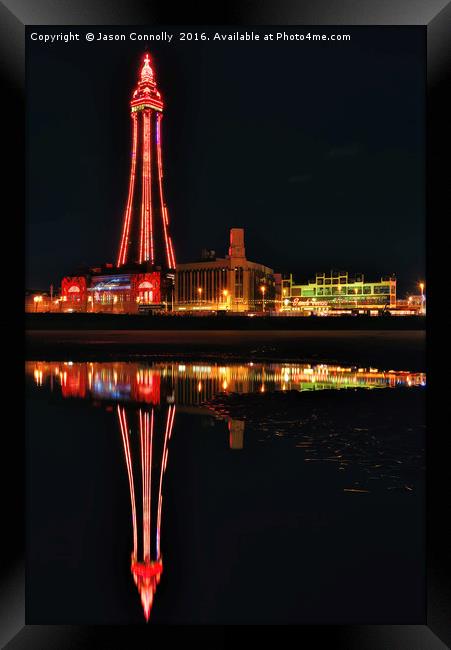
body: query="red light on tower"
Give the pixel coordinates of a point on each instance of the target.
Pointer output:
(145, 230)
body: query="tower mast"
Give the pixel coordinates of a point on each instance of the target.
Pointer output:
(145, 236)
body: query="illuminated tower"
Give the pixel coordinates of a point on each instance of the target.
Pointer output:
(145, 469)
(145, 235)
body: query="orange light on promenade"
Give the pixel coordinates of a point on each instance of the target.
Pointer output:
(263, 290)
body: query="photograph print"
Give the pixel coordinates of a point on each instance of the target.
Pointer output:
(225, 309)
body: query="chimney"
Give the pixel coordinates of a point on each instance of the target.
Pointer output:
(236, 248)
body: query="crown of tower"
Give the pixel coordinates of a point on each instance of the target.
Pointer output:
(146, 71)
(146, 93)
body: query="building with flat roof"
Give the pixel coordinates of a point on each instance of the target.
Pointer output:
(337, 291)
(230, 283)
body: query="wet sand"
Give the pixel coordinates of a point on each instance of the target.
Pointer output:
(375, 438)
(397, 350)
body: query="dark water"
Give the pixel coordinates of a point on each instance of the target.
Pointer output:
(224, 492)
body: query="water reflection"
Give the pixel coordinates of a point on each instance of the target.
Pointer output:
(145, 396)
(153, 431)
(192, 384)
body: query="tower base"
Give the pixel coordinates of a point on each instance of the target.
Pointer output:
(135, 288)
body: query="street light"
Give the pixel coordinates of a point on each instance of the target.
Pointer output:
(225, 293)
(37, 300)
(284, 300)
(199, 291)
(263, 289)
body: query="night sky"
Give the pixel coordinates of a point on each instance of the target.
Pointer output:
(316, 149)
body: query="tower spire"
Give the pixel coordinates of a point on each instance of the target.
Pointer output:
(146, 71)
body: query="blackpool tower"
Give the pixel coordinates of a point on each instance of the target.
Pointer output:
(145, 237)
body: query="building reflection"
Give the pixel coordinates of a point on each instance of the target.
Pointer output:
(236, 434)
(193, 384)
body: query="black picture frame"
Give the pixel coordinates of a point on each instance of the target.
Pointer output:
(435, 16)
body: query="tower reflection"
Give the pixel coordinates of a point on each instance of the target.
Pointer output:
(153, 432)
